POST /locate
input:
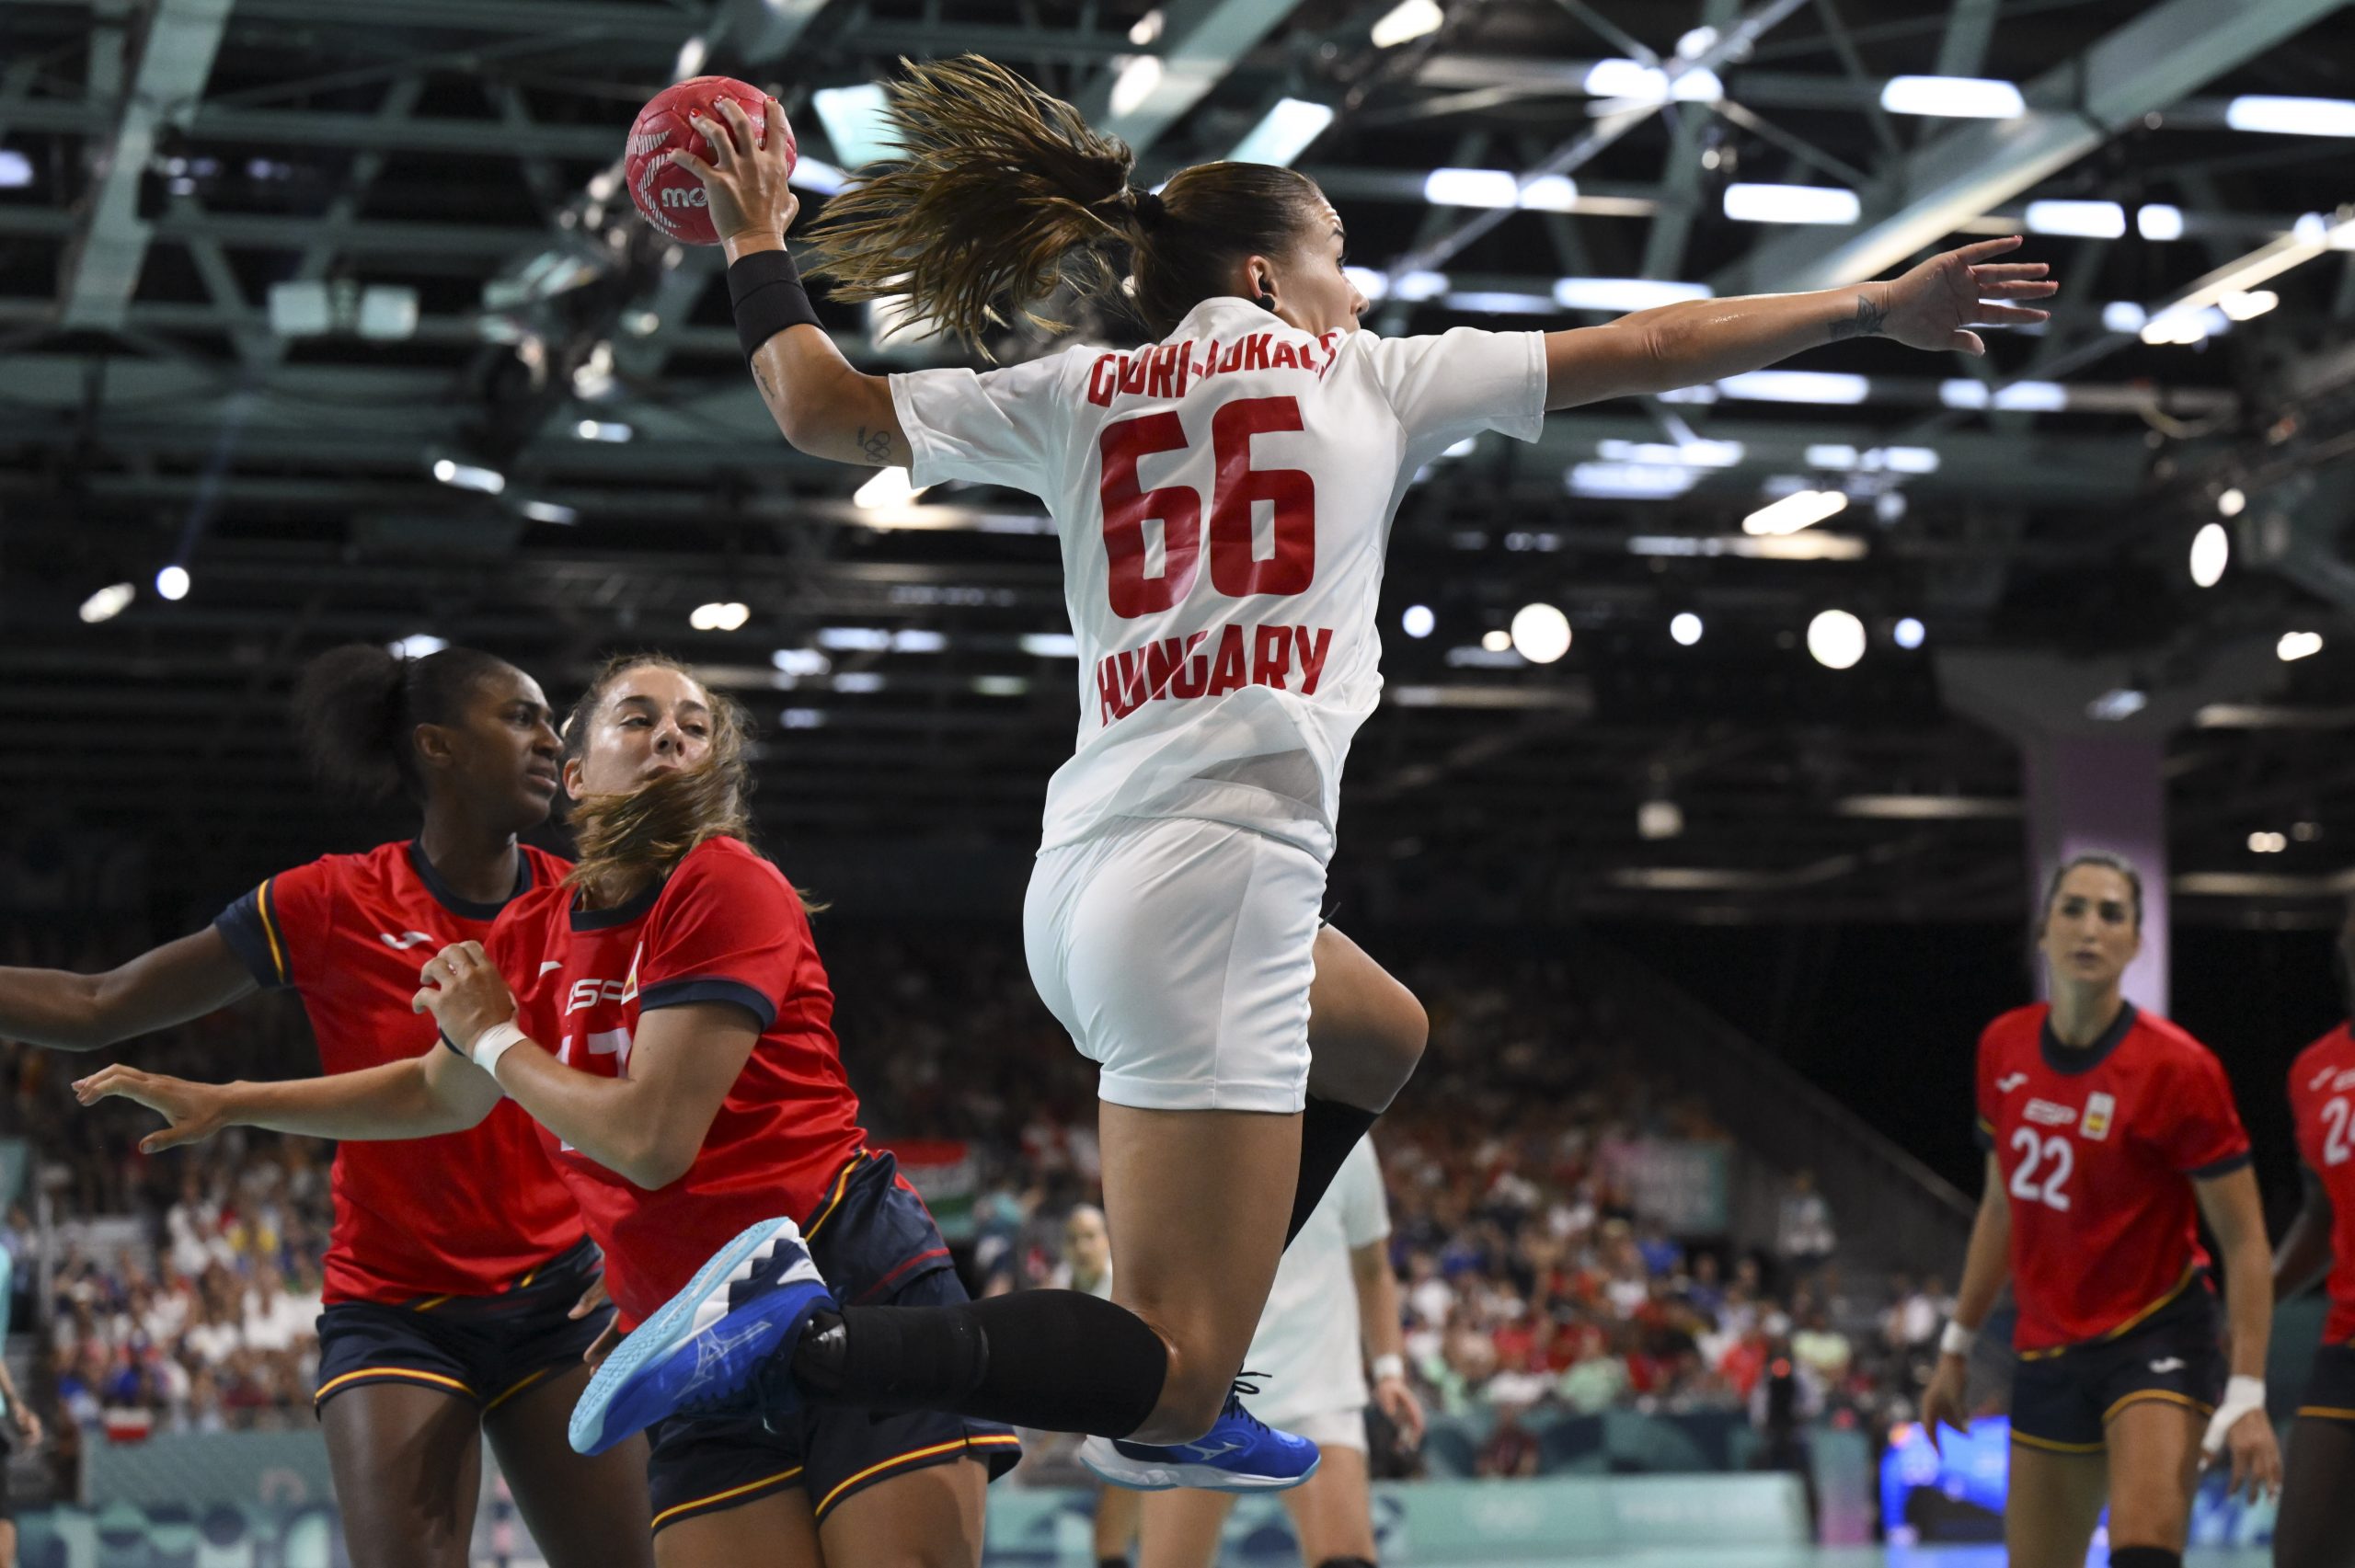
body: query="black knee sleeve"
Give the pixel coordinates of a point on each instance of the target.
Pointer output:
(2144, 1557)
(1329, 1130)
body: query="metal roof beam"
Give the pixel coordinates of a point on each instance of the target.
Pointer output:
(174, 58)
(1200, 42)
(2147, 64)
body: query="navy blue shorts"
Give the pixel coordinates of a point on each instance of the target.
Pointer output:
(2062, 1402)
(2329, 1393)
(484, 1348)
(876, 1245)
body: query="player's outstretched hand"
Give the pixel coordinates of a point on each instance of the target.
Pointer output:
(1942, 1401)
(1934, 306)
(744, 182)
(465, 992)
(195, 1111)
(1405, 1412)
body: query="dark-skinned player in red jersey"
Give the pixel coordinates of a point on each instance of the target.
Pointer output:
(2313, 1528)
(2109, 1132)
(459, 1276)
(664, 1017)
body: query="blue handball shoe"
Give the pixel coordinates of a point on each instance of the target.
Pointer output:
(1240, 1454)
(706, 1347)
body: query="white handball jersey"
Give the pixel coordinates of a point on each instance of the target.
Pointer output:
(1223, 499)
(1309, 1344)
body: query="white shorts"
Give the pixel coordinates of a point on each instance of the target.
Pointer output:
(1325, 1428)
(1178, 953)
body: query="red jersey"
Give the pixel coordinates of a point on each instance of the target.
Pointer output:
(463, 1214)
(2098, 1149)
(725, 926)
(2322, 1104)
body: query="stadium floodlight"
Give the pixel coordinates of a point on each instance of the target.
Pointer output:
(416, 645)
(1283, 132)
(1050, 645)
(2086, 220)
(469, 476)
(2157, 221)
(608, 430)
(2124, 315)
(798, 662)
(1418, 286)
(1418, 622)
(857, 122)
(855, 640)
(2232, 502)
(1836, 638)
(1953, 97)
(818, 175)
(1800, 508)
(918, 639)
(720, 616)
(2267, 844)
(2292, 117)
(1797, 387)
(172, 582)
(857, 682)
(1910, 634)
(691, 54)
(1147, 31)
(15, 170)
(889, 487)
(1471, 188)
(2119, 703)
(1623, 295)
(107, 603)
(1631, 81)
(2028, 396)
(550, 511)
(1630, 481)
(1751, 203)
(1407, 21)
(1685, 628)
(2211, 552)
(1541, 634)
(2247, 304)
(2298, 645)
(1693, 454)
(1135, 85)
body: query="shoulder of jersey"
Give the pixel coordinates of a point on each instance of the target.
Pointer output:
(2019, 1022)
(2338, 1042)
(546, 867)
(724, 857)
(2172, 1037)
(387, 864)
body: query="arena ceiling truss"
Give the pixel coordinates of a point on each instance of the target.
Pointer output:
(339, 310)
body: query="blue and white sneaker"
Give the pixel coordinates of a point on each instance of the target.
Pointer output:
(704, 1348)
(1241, 1453)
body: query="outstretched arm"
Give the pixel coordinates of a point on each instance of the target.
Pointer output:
(166, 985)
(821, 403)
(1934, 307)
(425, 1094)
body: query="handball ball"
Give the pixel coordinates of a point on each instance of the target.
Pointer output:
(672, 199)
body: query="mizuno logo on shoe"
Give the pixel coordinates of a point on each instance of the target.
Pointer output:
(712, 1354)
(1206, 1451)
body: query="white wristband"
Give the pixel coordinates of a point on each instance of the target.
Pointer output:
(1957, 1340)
(2243, 1394)
(496, 1042)
(1393, 1366)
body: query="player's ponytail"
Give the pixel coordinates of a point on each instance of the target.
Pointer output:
(635, 840)
(356, 708)
(1000, 193)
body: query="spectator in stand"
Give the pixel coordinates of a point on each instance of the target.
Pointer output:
(1511, 1449)
(1821, 1348)
(1804, 1238)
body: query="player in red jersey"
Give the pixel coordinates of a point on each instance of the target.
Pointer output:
(691, 1086)
(447, 1319)
(2312, 1529)
(2109, 1132)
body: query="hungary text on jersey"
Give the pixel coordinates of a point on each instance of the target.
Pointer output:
(725, 927)
(2098, 1148)
(1224, 500)
(2322, 1104)
(463, 1214)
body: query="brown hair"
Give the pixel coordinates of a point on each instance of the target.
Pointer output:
(2108, 861)
(1001, 193)
(633, 839)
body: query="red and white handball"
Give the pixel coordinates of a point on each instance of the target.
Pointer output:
(672, 199)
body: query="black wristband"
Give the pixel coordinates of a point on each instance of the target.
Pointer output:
(764, 291)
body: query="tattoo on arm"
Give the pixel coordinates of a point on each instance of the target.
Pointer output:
(1866, 323)
(876, 445)
(761, 379)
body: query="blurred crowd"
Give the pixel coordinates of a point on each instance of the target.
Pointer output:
(1537, 1281)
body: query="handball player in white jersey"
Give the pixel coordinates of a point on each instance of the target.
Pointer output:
(1334, 1309)
(1222, 494)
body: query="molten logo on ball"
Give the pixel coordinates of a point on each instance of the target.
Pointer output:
(673, 199)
